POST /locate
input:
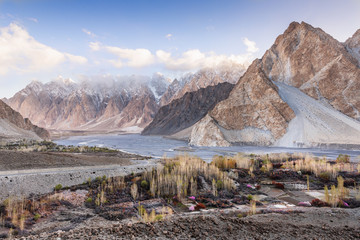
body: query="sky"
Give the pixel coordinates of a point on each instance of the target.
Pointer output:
(44, 39)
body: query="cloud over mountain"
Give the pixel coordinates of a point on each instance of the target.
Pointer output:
(189, 60)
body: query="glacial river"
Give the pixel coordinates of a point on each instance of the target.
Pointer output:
(157, 147)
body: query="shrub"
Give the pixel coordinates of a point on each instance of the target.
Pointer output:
(219, 184)
(343, 158)
(158, 217)
(325, 176)
(226, 162)
(250, 197)
(37, 216)
(318, 203)
(144, 184)
(89, 200)
(58, 187)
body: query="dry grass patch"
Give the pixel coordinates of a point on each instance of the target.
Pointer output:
(317, 166)
(179, 175)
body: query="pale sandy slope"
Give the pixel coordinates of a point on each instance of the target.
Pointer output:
(10, 132)
(315, 123)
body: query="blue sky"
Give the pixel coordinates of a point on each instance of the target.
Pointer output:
(40, 40)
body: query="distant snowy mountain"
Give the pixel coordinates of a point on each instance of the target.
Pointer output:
(109, 103)
(203, 78)
(103, 103)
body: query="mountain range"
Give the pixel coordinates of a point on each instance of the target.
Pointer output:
(108, 103)
(303, 92)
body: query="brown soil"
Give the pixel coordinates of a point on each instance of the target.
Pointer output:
(16, 160)
(324, 223)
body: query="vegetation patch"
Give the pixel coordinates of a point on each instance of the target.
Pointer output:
(187, 183)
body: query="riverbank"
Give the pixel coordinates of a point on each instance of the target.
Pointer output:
(25, 173)
(157, 146)
(62, 134)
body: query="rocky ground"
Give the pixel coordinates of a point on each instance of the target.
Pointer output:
(311, 223)
(231, 203)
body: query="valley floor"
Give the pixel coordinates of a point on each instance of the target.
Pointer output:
(72, 213)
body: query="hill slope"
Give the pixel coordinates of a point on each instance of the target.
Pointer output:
(186, 111)
(303, 92)
(14, 127)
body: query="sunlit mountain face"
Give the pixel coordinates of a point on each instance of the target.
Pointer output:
(110, 103)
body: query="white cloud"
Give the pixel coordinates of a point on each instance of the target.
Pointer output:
(91, 34)
(35, 20)
(251, 46)
(126, 57)
(187, 61)
(20, 52)
(76, 59)
(135, 57)
(95, 46)
(169, 36)
(195, 59)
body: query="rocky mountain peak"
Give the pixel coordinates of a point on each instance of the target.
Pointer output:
(302, 91)
(353, 45)
(310, 59)
(64, 81)
(35, 86)
(355, 39)
(159, 84)
(254, 113)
